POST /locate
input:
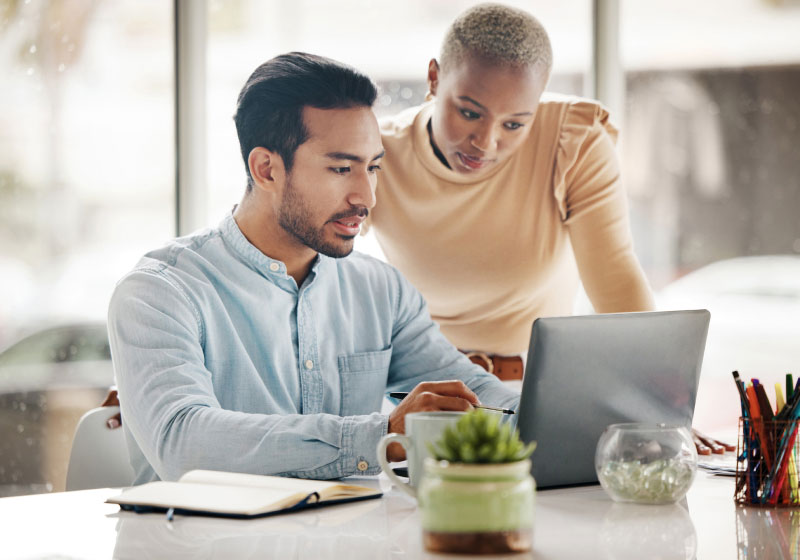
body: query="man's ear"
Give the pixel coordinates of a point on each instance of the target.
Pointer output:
(433, 76)
(266, 169)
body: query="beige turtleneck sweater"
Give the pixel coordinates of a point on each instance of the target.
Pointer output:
(493, 255)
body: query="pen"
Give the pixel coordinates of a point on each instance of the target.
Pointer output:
(777, 474)
(779, 469)
(779, 402)
(786, 412)
(742, 395)
(401, 396)
(758, 422)
(750, 447)
(791, 404)
(764, 405)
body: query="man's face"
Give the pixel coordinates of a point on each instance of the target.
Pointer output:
(331, 186)
(483, 113)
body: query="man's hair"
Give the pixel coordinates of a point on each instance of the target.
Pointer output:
(269, 111)
(498, 34)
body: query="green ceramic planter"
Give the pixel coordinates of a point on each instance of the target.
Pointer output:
(477, 508)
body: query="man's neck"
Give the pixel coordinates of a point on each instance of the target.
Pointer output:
(259, 226)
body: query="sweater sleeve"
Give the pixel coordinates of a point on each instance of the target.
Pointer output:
(594, 208)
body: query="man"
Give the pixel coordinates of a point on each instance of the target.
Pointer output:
(263, 345)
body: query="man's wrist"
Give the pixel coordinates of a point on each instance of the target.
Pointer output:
(360, 437)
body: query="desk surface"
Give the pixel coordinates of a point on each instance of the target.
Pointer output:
(570, 523)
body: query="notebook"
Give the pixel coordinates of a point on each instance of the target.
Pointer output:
(237, 495)
(586, 372)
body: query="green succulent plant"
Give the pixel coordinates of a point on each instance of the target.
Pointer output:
(479, 437)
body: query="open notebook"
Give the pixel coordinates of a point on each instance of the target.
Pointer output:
(237, 495)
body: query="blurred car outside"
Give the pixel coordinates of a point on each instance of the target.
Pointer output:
(55, 362)
(48, 379)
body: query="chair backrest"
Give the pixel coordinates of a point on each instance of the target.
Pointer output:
(99, 456)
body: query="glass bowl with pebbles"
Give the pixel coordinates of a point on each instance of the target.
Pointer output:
(646, 463)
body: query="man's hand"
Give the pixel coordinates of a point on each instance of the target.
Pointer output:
(426, 397)
(112, 399)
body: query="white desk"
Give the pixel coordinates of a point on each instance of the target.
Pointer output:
(570, 523)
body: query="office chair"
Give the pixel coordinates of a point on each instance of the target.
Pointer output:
(99, 457)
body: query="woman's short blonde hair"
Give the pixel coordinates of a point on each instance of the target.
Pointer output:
(499, 34)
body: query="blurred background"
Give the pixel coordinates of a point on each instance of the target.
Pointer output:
(709, 109)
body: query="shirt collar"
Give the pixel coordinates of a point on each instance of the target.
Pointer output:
(269, 267)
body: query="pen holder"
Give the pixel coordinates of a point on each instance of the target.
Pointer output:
(767, 463)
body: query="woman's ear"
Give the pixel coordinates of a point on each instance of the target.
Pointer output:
(433, 78)
(266, 169)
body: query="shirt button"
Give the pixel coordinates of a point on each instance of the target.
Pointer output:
(274, 267)
(362, 466)
(309, 364)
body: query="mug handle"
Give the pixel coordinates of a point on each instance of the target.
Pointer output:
(382, 445)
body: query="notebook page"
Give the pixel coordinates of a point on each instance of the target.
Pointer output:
(210, 497)
(256, 481)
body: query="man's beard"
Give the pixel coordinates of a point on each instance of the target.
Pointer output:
(293, 217)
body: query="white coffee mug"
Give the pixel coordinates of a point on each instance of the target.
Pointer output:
(422, 428)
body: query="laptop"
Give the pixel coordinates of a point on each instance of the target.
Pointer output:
(586, 372)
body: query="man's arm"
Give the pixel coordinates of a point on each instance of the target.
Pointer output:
(420, 353)
(171, 409)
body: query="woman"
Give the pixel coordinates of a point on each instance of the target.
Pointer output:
(491, 194)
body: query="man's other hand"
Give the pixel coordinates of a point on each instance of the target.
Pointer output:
(426, 397)
(112, 399)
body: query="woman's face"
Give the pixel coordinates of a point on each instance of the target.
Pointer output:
(483, 112)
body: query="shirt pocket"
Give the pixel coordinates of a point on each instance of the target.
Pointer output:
(363, 381)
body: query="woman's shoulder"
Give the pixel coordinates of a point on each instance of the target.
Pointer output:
(570, 114)
(400, 124)
(583, 134)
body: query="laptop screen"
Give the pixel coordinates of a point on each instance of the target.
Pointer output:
(586, 372)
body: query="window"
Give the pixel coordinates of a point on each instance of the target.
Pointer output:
(710, 160)
(86, 187)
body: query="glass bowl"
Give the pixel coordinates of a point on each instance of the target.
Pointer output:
(646, 463)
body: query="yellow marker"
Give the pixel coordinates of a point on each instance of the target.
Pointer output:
(779, 402)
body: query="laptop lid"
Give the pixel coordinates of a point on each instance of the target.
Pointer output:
(586, 372)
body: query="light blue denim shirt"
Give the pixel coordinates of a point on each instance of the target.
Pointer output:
(223, 363)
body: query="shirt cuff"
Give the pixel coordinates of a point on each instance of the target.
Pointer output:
(360, 437)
